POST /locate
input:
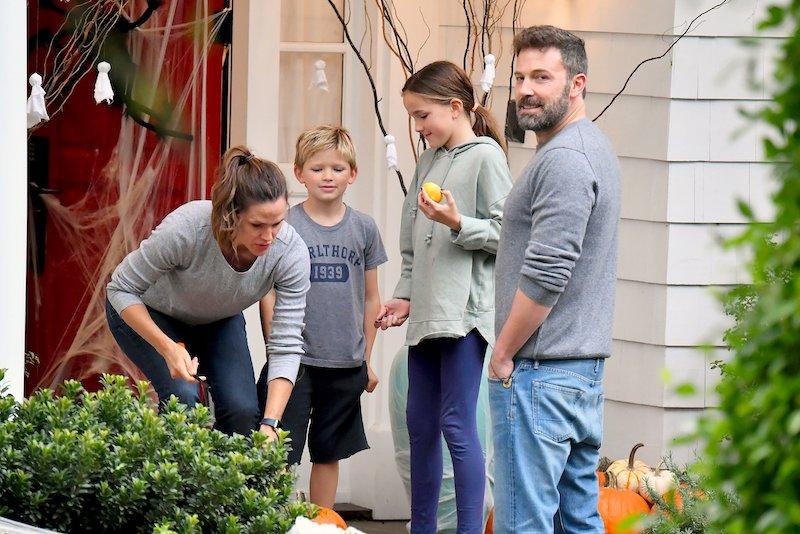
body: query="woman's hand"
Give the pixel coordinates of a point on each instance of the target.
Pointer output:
(268, 431)
(445, 212)
(394, 312)
(180, 364)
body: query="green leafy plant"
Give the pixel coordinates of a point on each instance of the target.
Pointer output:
(683, 510)
(752, 445)
(108, 462)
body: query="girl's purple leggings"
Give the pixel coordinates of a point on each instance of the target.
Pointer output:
(444, 376)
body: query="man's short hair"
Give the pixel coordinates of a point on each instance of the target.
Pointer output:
(572, 47)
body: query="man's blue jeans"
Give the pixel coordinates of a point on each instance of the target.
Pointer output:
(547, 425)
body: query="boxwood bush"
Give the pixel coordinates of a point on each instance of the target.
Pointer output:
(109, 462)
(752, 447)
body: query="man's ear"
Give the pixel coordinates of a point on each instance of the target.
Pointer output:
(578, 85)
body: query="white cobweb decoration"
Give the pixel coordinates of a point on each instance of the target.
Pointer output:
(135, 186)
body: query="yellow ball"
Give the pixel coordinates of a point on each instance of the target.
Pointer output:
(433, 191)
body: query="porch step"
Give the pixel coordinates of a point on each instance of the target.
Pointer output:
(352, 512)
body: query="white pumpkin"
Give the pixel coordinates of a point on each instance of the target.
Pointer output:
(627, 474)
(660, 481)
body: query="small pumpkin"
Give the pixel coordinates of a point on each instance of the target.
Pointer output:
(616, 506)
(627, 474)
(660, 481)
(602, 479)
(327, 516)
(675, 497)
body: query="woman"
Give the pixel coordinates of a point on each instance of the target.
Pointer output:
(188, 283)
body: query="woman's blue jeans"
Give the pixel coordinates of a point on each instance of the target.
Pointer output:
(220, 347)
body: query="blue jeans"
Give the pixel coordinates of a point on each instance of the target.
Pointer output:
(547, 427)
(444, 376)
(220, 347)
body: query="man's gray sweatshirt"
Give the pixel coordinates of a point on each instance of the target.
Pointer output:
(558, 244)
(180, 271)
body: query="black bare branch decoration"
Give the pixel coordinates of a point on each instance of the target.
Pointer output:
(671, 46)
(375, 98)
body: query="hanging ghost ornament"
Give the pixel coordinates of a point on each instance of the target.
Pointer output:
(487, 79)
(391, 152)
(102, 87)
(36, 108)
(319, 80)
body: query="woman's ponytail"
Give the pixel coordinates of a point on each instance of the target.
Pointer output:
(242, 180)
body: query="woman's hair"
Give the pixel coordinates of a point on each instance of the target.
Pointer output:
(242, 180)
(322, 138)
(441, 82)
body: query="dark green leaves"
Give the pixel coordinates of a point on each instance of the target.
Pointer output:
(752, 448)
(107, 462)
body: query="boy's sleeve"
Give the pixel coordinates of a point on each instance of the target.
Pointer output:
(168, 247)
(561, 205)
(375, 253)
(482, 232)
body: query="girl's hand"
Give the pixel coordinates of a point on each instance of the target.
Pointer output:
(445, 212)
(180, 364)
(394, 312)
(372, 382)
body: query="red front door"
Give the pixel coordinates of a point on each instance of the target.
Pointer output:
(112, 178)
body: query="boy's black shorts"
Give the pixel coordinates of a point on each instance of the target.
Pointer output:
(330, 399)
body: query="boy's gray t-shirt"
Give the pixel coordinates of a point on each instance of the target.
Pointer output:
(340, 255)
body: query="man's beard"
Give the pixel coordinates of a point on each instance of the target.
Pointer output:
(552, 112)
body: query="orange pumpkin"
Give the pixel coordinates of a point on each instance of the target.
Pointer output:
(602, 479)
(326, 516)
(675, 498)
(615, 506)
(490, 522)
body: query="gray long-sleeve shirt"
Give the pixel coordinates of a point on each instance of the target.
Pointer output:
(180, 271)
(558, 244)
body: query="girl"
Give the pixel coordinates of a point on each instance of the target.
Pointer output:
(446, 287)
(192, 278)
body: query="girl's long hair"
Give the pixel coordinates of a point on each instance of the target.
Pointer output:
(441, 82)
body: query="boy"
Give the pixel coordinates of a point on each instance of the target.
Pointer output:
(346, 249)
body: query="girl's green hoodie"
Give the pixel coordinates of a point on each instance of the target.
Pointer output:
(449, 276)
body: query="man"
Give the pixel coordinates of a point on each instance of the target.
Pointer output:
(555, 275)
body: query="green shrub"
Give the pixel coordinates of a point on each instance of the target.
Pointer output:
(752, 449)
(108, 462)
(688, 517)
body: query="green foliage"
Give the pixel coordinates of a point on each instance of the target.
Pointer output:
(108, 462)
(753, 448)
(691, 516)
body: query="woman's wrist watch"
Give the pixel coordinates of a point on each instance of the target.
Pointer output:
(274, 423)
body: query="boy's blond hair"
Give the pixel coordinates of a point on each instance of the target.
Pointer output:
(321, 138)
